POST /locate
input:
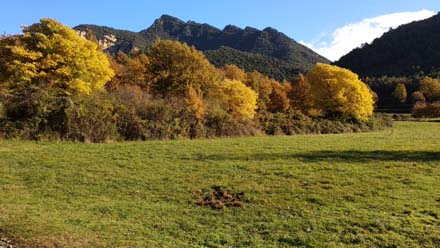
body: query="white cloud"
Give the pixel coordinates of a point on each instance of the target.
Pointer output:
(346, 38)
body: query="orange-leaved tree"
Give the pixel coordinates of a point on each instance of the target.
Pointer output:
(279, 102)
(299, 94)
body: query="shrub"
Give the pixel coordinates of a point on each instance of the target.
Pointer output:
(37, 114)
(219, 123)
(90, 119)
(141, 117)
(128, 101)
(10, 130)
(423, 110)
(297, 123)
(417, 96)
(164, 120)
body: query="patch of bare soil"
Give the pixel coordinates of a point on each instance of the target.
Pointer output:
(218, 198)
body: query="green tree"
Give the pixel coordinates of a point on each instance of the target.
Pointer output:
(338, 91)
(400, 93)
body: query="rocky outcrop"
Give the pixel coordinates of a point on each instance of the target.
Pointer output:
(108, 41)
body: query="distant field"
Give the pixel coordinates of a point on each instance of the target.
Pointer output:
(377, 189)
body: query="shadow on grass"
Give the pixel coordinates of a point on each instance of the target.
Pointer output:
(335, 156)
(369, 156)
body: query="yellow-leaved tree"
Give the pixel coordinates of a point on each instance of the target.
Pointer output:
(49, 55)
(339, 92)
(400, 93)
(238, 99)
(234, 72)
(262, 85)
(430, 87)
(174, 66)
(194, 103)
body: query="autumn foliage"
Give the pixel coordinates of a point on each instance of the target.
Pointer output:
(55, 84)
(339, 92)
(299, 94)
(430, 88)
(238, 99)
(400, 93)
(50, 55)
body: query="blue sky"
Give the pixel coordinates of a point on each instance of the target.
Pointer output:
(310, 21)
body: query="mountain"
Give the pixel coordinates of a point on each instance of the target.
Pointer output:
(268, 51)
(404, 51)
(275, 68)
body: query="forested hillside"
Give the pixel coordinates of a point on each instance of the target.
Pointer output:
(268, 51)
(404, 51)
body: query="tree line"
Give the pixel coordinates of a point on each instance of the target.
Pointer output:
(56, 85)
(418, 94)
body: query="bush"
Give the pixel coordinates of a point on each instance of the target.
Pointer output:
(423, 110)
(402, 117)
(297, 123)
(10, 130)
(142, 117)
(417, 96)
(128, 102)
(90, 119)
(219, 123)
(37, 115)
(164, 121)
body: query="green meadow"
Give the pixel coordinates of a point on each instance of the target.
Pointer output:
(378, 189)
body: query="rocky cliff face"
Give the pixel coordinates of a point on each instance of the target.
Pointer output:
(106, 43)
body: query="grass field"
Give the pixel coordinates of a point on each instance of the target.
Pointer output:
(377, 189)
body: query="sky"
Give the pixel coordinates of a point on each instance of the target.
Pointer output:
(332, 28)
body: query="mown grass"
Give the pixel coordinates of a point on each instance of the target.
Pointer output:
(358, 190)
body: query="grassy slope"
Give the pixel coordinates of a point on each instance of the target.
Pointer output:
(370, 189)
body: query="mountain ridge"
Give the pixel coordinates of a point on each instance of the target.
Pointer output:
(268, 42)
(407, 50)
